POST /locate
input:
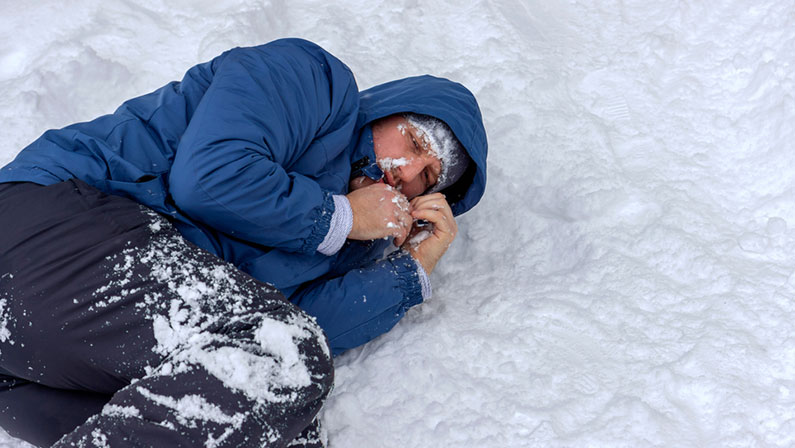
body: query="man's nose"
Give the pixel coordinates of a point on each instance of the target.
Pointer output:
(411, 169)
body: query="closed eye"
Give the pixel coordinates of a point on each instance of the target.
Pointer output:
(416, 145)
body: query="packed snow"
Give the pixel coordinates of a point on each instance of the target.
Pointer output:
(628, 279)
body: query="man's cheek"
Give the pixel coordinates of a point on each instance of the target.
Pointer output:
(410, 190)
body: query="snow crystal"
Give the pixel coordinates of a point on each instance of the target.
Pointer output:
(182, 324)
(401, 202)
(389, 163)
(121, 411)
(270, 377)
(101, 293)
(281, 340)
(5, 333)
(193, 407)
(190, 408)
(99, 439)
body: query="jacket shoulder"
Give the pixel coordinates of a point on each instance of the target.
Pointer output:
(294, 48)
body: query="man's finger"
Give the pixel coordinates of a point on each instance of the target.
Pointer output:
(425, 198)
(401, 236)
(406, 221)
(436, 206)
(419, 201)
(436, 217)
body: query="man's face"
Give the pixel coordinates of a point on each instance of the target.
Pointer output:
(409, 164)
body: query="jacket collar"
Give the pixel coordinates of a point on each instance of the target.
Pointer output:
(363, 161)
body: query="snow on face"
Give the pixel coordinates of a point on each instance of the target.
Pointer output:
(389, 164)
(441, 142)
(405, 158)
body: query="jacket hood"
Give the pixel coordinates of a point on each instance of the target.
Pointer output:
(448, 101)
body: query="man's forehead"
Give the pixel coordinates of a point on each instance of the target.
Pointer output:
(424, 139)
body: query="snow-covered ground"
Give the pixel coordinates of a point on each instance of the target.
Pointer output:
(629, 277)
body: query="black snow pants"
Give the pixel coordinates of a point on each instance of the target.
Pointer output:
(115, 331)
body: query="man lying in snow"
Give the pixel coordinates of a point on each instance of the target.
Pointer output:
(138, 250)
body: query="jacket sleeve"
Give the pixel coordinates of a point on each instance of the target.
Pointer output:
(262, 121)
(363, 303)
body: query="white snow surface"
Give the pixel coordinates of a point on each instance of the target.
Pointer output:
(627, 279)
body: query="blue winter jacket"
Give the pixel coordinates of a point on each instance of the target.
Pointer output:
(244, 155)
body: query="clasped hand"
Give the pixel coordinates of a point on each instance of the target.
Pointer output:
(380, 211)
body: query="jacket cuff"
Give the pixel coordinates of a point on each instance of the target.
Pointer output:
(425, 281)
(322, 221)
(408, 277)
(339, 227)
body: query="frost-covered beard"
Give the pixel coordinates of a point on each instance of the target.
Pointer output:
(444, 145)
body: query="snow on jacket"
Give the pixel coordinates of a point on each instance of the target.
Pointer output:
(245, 153)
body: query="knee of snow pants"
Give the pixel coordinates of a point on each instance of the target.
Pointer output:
(100, 295)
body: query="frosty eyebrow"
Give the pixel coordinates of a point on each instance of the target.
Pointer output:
(413, 138)
(431, 176)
